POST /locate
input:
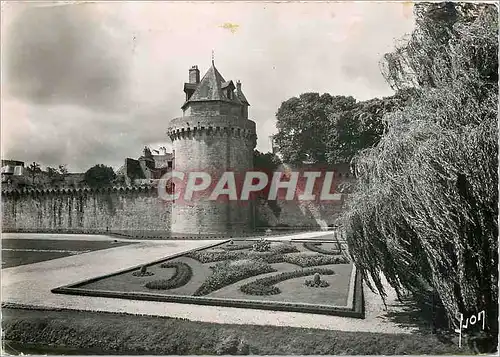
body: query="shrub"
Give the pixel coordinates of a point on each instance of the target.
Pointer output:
(317, 282)
(143, 271)
(316, 278)
(266, 286)
(210, 256)
(182, 275)
(274, 254)
(316, 247)
(283, 248)
(309, 260)
(262, 246)
(227, 272)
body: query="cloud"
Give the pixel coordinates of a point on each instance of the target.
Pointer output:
(66, 55)
(94, 83)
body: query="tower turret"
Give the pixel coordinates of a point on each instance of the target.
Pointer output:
(214, 135)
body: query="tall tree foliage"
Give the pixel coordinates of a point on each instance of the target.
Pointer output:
(331, 129)
(426, 205)
(99, 176)
(303, 125)
(33, 171)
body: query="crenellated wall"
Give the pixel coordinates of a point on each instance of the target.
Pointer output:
(81, 210)
(139, 209)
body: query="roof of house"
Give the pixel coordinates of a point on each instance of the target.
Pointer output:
(211, 88)
(241, 96)
(133, 169)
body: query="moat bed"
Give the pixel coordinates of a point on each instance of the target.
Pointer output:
(302, 276)
(17, 252)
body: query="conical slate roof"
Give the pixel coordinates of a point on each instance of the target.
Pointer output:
(241, 96)
(211, 88)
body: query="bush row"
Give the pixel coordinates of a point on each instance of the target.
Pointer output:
(183, 274)
(316, 247)
(262, 246)
(265, 286)
(227, 273)
(310, 260)
(274, 255)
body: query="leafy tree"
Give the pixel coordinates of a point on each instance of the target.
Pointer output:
(267, 162)
(53, 175)
(33, 171)
(303, 124)
(56, 175)
(63, 170)
(331, 129)
(99, 176)
(426, 205)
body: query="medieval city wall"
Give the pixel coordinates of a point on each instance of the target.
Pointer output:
(85, 210)
(130, 210)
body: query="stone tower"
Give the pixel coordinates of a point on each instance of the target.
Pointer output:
(214, 135)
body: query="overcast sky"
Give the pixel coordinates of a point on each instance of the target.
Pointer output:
(93, 83)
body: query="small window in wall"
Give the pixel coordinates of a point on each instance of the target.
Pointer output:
(169, 164)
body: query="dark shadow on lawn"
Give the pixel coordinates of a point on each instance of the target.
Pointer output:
(429, 318)
(420, 315)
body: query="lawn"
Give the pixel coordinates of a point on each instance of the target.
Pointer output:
(17, 252)
(74, 332)
(243, 273)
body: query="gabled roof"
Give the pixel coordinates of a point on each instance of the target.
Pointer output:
(133, 169)
(190, 86)
(228, 84)
(211, 88)
(241, 96)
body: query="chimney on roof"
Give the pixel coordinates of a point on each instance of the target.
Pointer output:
(194, 75)
(238, 85)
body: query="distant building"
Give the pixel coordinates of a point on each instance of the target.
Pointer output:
(12, 167)
(147, 168)
(11, 170)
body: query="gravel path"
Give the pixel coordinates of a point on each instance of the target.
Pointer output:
(31, 285)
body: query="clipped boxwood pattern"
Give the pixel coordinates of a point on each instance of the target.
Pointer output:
(316, 247)
(266, 286)
(274, 255)
(183, 274)
(227, 273)
(210, 256)
(311, 260)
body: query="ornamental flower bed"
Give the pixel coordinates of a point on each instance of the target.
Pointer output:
(182, 275)
(266, 286)
(262, 246)
(313, 259)
(216, 279)
(273, 255)
(207, 256)
(227, 272)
